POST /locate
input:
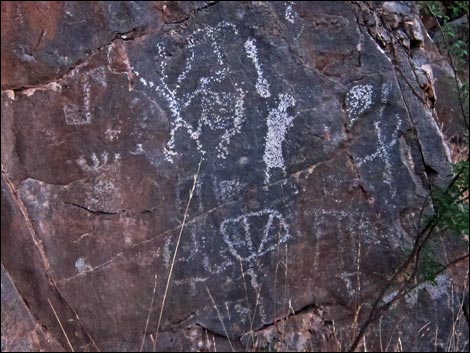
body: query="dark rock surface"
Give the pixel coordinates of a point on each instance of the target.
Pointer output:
(313, 126)
(20, 331)
(449, 108)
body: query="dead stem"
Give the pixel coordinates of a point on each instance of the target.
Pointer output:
(220, 319)
(150, 311)
(61, 327)
(247, 300)
(254, 312)
(175, 253)
(285, 300)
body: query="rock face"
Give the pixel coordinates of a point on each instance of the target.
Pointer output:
(313, 130)
(19, 330)
(450, 110)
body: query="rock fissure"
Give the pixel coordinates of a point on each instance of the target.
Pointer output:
(125, 36)
(40, 248)
(151, 239)
(423, 159)
(397, 68)
(95, 212)
(194, 12)
(36, 240)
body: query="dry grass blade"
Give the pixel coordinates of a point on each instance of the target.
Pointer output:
(354, 324)
(61, 327)
(247, 301)
(175, 254)
(220, 319)
(252, 320)
(150, 311)
(392, 333)
(380, 335)
(284, 321)
(455, 341)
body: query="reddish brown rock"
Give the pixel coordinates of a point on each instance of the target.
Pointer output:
(20, 331)
(313, 127)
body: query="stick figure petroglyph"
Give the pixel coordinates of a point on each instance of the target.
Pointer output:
(221, 111)
(359, 100)
(218, 101)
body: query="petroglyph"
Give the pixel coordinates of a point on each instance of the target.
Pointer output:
(252, 235)
(262, 86)
(138, 150)
(222, 111)
(290, 13)
(98, 75)
(384, 151)
(192, 282)
(112, 134)
(246, 244)
(82, 266)
(74, 115)
(356, 224)
(358, 100)
(104, 194)
(227, 190)
(215, 109)
(435, 291)
(100, 163)
(278, 123)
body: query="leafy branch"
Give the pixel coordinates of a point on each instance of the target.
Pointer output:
(450, 205)
(451, 202)
(457, 49)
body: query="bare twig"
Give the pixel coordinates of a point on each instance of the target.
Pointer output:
(284, 321)
(411, 263)
(254, 311)
(454, 68)
(220, 319)
(150, 311)
(379, 310)
(175, 253)
(247, 301)
(61, 327)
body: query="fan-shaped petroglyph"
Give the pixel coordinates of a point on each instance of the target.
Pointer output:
(254, 234)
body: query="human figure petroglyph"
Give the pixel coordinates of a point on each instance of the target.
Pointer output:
(359, 100)
(221, 111)
(278, 122)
